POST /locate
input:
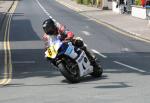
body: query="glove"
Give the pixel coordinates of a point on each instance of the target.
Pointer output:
(70, 35)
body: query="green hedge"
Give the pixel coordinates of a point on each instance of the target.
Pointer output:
(79, 1)
(138, 2)
(86, 2)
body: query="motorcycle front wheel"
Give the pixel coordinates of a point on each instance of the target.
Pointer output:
(70, 70)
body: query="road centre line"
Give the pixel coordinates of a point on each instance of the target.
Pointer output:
(128, 66)
(95, 51)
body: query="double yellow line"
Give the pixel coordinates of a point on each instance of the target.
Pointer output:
(7, 52)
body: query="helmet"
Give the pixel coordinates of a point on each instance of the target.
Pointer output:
(49, 27)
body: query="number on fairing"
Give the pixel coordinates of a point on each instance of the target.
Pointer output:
(51, 52)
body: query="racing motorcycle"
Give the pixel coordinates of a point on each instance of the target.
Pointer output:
(71, 61)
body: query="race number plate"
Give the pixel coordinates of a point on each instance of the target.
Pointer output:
(51, 52)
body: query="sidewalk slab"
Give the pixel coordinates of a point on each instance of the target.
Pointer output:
(133, 26)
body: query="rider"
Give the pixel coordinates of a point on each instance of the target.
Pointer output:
(53, 30)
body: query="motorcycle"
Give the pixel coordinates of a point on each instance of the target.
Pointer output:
(71, 61)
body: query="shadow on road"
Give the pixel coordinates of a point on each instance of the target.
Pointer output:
(33, 85)
(114, 85)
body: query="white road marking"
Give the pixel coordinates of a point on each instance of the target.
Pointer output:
(125, 49)
(86, 33)
(23, 62)
(45, 11)
(95, 51)
(128, 66)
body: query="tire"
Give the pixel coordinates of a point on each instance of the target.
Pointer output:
(68, 74)
(97, 71)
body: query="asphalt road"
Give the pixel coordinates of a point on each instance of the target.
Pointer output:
(125, 60)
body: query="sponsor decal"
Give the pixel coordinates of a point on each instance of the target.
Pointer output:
(80, 59)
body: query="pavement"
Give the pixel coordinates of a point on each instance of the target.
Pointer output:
(4, 8)
(123, 23)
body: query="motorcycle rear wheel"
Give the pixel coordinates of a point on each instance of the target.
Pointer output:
(97, 70)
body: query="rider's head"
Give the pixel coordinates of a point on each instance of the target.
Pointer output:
(49, 27)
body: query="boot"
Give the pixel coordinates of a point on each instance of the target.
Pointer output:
(90, 56)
